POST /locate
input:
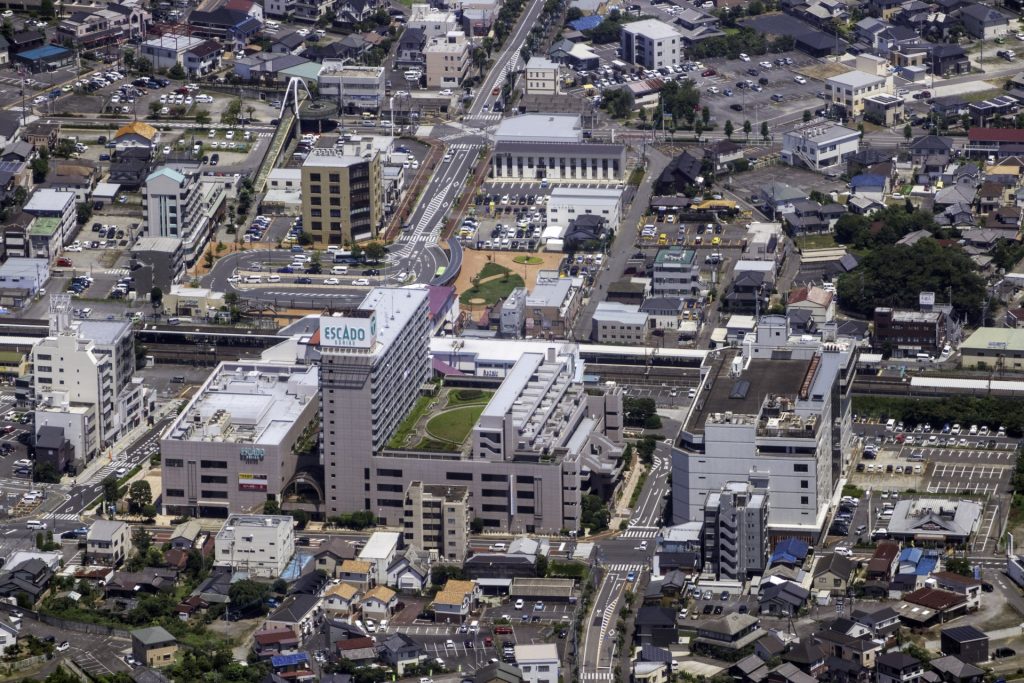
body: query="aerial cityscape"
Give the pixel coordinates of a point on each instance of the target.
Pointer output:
(511, 341)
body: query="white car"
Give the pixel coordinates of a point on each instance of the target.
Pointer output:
(230, 134)
(234, 278)
(745, 57)
(63, 646)
(167, 150)
(332, 281)
(714, 90)
(765, 65)
(403, 276)
(361, 282)
(800, 79)
(449, 644)
(845, 552)
(446, 92)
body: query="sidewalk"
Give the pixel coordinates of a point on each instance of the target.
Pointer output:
(622, 510)
(118, 448)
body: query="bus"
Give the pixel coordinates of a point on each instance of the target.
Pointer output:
(440, 271)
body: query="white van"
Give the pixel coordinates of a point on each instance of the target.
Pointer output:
(890, 425)
(35, 524)
(273, 24)
(253, 279)
(339, 270)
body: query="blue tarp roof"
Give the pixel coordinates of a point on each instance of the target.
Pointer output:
(867, 180)
(586, 23)
(289, 660)
(790, 551)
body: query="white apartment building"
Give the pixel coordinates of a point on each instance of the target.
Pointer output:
(261, 545)
(88, 364)
(107, 542)
(542, 77)
(568, 203)
(819, 146)
(736, 531)
(167, 50)
(849, 90)
(447, 59)
(58, 204)
(677, 274)
(539, 663)
(773, 413)
(182, 205)
(435, 23)
(354, 88)
(651, 44)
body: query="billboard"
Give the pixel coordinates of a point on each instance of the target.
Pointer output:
(352, 333)
(252, 482)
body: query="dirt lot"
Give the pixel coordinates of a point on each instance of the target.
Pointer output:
(473, 261)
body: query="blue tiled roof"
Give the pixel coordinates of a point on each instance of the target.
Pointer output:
(867, 180)
(790, 551)
(586, 23)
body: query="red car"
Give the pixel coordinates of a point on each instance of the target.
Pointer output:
(709, 72)
(64, 262)
(497, 89)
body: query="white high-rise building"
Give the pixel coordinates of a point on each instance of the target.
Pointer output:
(182, 205)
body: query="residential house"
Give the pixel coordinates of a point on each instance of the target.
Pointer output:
(967, 643)
(884, 560)
(881, 623)
(984, 22)
(359, 651)
(378, 603)
(341, 599)
(107, 542)
(732, 632)
(930, 146)
(683, 172)
(847, 656)
(833, 573)
(807, 656)
(410, 571)
(330, 556)
(288, 43)
(357, 572)
(148, 581)
(31, 577)
(455, 600)
(186, 535)
(135, 134)
(410, 49)
(782, 598)
(400, 651)
(820, 302)
(952, 669)
(967, 586)
(722, 153)
(926, 606)
(203, 59)
(898, 667)
(154, 646)
(300, 613)
(655, 626)
(8, 637)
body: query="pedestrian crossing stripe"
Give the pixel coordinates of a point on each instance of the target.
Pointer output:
(638, 533)
(597, 675)
(624, 567)
(63, 516)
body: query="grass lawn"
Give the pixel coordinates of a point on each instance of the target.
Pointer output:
(453, 425)
(816, 242)
(636, 177)
(528, 260)
(468, 396)
(427, 444)
(491, 291)
(401, 434)
(491, 269)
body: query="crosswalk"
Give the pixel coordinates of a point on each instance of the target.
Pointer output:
(624, 567)
(102, 473)
(62, 516)
(117, 271)
(464, 147)
(597, 675)
(638, 532)
(484, 117)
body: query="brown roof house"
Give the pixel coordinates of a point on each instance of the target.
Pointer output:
(832, 573)
(340, 598)
(379, 603)
(154, 646)
(455, 600)
(821, 303)
(884, 561)
(930, 605)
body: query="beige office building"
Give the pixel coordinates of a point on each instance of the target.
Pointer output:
(447, 60)
(437, 518)
(343, 193)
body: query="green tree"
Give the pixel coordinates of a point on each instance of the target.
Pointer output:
(202, 117)
(645, 448)
(357, 252)
(110, 489)
(698, 129)
(572, 14)
(24, 600)
(476, 526)
(45, 472)
(154, 109)
(271, 507)
(594, 514)
(807, 115)
(375, 252)
(640, 412)
(728, 129)
(705, 115)
(139, 495)
(156, 297)
(441, 573)
(46, 9)
(960, 565)
(747, 127)
(542, 566)
(177, 72)
(618, 103)
(41, 166)
(908, 132)
(280, 586)
(141, 540)
(764, 131)
(248, 596)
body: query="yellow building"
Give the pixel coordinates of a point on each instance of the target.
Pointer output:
(342, 192)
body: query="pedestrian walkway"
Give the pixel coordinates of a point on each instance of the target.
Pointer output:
(638, 532)
(618, 568)
(482, 118)
(62, 516)
(597, 675)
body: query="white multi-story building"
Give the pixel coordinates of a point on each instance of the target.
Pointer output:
(437, 518)
(435, 23)
(539, 663)
(651, 43)
(59, 204)
(568, 203)
(261, 545)
(168, 50)
(677, 274)
(447, 59)
(850, 89)
(182, 205)
(354, 88)
(819, 146)
(84, 371)
(775, 411)
(542, 77)
(736, 531)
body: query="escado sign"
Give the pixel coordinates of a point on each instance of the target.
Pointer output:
(252, 454)
(354, 333)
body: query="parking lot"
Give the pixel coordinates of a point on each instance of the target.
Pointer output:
(96, 654)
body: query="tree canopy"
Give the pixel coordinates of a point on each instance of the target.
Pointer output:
(894, 275)
(893, 223)
(681, 100)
